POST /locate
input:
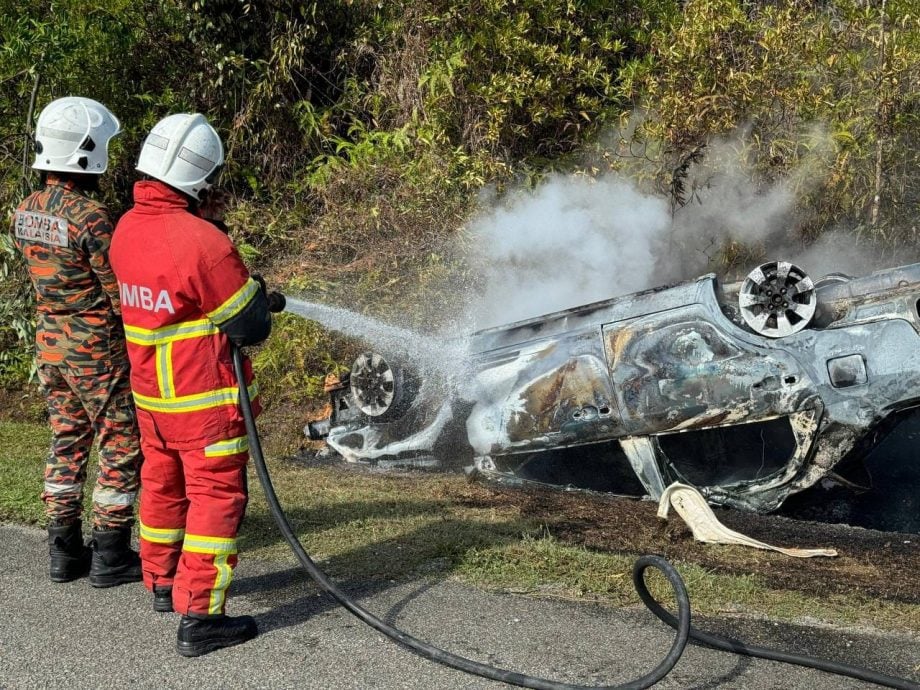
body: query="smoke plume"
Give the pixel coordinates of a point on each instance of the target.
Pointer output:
(572, 241)
(578, 239)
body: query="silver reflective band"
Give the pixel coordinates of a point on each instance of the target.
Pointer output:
(190, 156)
(157, 141)
(113, 497)
(60, 489)
(60, 134)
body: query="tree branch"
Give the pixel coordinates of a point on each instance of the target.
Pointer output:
(26, 183)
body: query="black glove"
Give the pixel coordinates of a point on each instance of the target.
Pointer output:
(276, 302)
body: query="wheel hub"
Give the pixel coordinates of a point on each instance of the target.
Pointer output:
(777, 299)
(373, 384)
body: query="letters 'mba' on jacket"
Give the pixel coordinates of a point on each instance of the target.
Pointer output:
(180, 280)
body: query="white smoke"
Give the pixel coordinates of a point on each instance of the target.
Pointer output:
(572, 241)
(577, 239)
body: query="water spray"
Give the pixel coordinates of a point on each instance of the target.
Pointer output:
(428, 354)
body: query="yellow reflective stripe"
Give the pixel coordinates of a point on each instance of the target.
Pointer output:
(169, 334)
(229, 447)
(159, 535)
(221, 582)
(233, 306)
(170, 381)
(165, 370)
(193, 403)
(196, 543)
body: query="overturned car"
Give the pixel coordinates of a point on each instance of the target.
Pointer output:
(750, 391)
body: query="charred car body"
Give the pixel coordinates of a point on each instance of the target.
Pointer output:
(750, 391)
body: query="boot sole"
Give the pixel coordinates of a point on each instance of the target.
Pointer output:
(202, 647)
(61, 577)
(102, 581)
(164, 607)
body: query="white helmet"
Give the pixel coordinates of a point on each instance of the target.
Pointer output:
(183, 151)
(72, 135)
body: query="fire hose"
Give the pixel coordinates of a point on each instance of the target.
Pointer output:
(680, 623)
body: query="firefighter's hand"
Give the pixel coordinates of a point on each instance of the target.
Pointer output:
(214, 205)
(276, 302)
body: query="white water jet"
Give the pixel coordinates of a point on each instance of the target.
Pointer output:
(446, 358)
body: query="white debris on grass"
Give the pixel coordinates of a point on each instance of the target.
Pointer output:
(692, 507)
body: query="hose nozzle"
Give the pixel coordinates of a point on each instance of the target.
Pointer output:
(276, 302)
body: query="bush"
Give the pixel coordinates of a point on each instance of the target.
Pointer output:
(359, 133)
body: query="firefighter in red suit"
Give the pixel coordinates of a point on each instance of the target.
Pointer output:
(186, 295)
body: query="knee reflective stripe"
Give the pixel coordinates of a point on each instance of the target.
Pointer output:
(229, 447)
(104, 495)
(221, 582)
(196, 543)
(161, 535)
(63, 488)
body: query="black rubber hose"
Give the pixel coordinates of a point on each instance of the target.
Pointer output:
(424, 649)
(680, 623)
(727, 644)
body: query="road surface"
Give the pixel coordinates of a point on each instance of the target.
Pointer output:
(73, 636)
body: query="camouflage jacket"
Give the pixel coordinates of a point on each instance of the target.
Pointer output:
(64, 237)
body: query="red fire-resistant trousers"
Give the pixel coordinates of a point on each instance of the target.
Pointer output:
(191, 506)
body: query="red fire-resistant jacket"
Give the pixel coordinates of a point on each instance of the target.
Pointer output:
(185, 294)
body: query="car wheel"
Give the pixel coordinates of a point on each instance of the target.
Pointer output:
(833, 279)
(380, 390)
(777, 299)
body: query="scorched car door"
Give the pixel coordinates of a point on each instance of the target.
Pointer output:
(545, 394)
(677, 370)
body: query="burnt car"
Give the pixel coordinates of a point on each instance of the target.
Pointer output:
(750, 391)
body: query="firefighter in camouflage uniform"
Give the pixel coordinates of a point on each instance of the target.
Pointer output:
(64, 236)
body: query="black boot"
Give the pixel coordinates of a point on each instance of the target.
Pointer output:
(114, 563)
(69, 557)
(205, 634)
(162, 599)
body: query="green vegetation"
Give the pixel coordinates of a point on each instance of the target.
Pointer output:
(23, 448)
(359, 134)
(546, 567)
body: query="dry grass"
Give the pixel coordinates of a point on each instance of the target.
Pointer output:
(367, 525)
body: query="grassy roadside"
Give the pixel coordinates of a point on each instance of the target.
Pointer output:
(23, 448)
(362, 525)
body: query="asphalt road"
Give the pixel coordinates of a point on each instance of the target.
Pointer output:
(73, 636)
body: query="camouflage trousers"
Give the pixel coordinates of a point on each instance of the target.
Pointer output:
(84, 406)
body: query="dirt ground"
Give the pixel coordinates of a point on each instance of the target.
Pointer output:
(881, 564)
(22, 405)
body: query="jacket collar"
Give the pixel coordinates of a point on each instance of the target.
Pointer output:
(153, 196)
(55, 180)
